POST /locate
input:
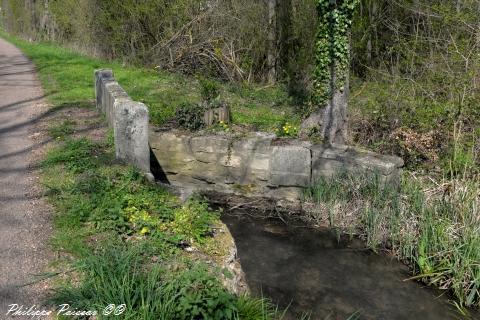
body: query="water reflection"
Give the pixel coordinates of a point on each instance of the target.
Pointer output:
(311, 270)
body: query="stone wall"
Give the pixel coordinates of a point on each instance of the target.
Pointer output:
(259, 164)
(129, 120)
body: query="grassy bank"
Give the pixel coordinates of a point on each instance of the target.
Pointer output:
(124, 238)
(67, 78)
(434, 226)
(122, 241)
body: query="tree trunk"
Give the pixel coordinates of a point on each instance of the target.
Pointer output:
(272, 45)
(331, 121)
(334, 128)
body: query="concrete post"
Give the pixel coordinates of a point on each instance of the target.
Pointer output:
(128, 118)
(101, 76)
(130, 129)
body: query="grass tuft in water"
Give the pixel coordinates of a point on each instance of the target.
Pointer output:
(435, 226)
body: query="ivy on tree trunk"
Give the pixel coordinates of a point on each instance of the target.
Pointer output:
(330, 76)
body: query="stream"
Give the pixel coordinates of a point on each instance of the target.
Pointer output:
(309, 270)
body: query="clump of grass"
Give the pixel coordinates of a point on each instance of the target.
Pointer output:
(119, 275)
(122, 275)
(436, 229)
(62, 130)
(77, 155)
(258, 309)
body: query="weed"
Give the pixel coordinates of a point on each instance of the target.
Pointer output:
(62, 130)
(286, 129)
(193, 221)
(209, 89)
(190, 116)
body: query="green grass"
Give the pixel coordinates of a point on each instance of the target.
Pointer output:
(62, 130)
(67, 78)
(121, 240)
(95, 195)
(120, 236)
(122, 275)
(124, 236)
(435, 227)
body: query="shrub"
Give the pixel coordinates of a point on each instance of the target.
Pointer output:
(201, 296)
(209, 89)
(190, 116)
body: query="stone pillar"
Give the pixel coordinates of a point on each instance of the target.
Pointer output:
(102, 76)
(113, 93)
(130, 129)
(128, 119)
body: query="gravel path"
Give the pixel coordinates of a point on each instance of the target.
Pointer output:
(24, 219)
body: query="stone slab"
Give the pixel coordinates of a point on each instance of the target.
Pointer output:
(172, 152)
(290, 166)
(210, 149)
(130, 129)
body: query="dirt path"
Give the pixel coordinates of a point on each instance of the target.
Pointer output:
(24, 222)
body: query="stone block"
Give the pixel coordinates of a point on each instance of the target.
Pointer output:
(328, 161)
(211, 173)
(210, 149)
(322, 167)
(375, 162)
(115, 93)
(338, 153)
(172, 152)
(101, 77)
(130, 127)
(249, 160)
(290, 166)
(232, 160)
(257, 141)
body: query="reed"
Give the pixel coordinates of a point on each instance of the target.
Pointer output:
(434, 226)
